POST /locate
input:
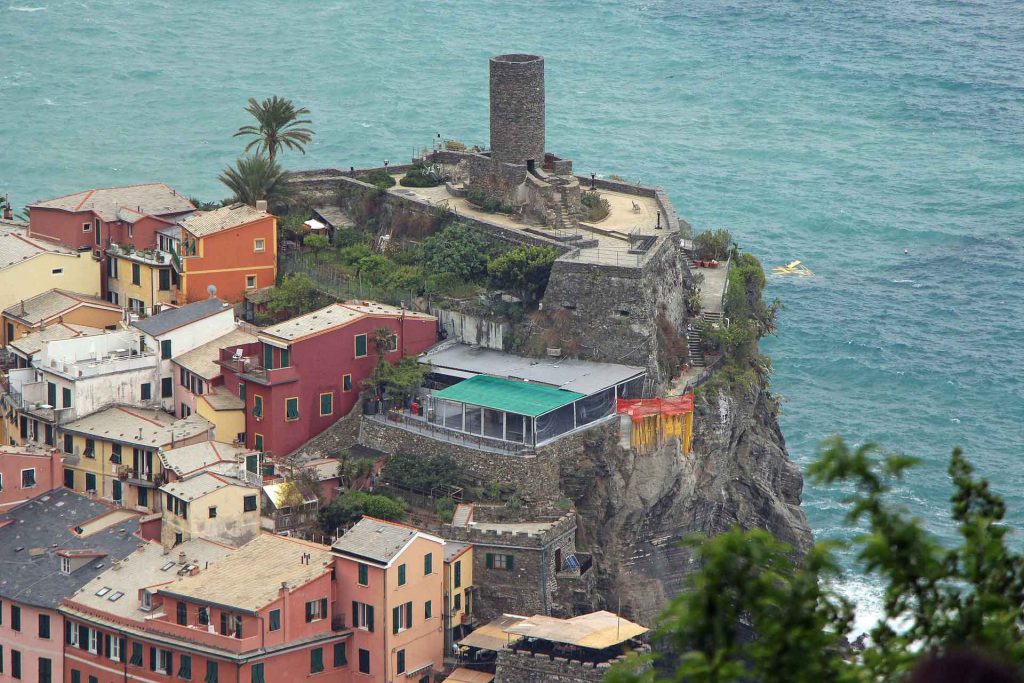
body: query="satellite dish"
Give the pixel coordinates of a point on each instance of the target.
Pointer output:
(212, 290)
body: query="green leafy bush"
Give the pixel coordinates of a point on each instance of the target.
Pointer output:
(597, 207)
(379, 178)
(458, 250)
(710, 245)
(524, 270)
(486, 202)
(349, 507)
(445, 509)
(421, 175)
(422, 472)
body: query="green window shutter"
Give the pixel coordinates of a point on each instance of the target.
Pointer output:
(369, 618)
(241, 390)
(316, 660)
(309, 612)
(400, 662)
(428, 610)
(257, 673)
(364, 574)
(166, 387)
(291, 406)
(268, 357)
(340, 654)
(355, 615)
(360, 345)
(286, 358)
(326, 404)
(408, 615)
(185, 667)
(509, 563)
(490, 560)
(76, 676)
(106, 645)
(396, 618)
(147, 391)
(323, 608)
(165, 348)
(257, 406)
(152, 659)
(136, 654)
(401, 575)
(428, 564)
(83, 637)
(211, 672)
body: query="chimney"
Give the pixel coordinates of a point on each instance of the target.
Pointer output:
(261, 204)
(8, 214)
(181, 557)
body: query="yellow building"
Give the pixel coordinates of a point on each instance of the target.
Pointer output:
(30, 266)
(141, 279)
(458, 591)
(115, 453)
(211, 506)
(55, 306)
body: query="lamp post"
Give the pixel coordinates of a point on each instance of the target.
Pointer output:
(658, 226)
(592, 178)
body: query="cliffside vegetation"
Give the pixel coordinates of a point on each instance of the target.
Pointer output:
(938, 600)
(746, 318)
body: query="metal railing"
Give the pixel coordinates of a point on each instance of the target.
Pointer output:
(420, 426)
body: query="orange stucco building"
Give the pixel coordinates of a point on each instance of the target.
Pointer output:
(233, 248)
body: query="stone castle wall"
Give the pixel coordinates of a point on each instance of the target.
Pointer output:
(527, 667)
(517, 108)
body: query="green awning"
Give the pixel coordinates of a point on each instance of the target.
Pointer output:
(508, 395)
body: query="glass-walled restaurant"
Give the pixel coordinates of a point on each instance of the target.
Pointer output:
(519, 412)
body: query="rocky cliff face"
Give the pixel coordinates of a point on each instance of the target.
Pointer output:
(634, 508)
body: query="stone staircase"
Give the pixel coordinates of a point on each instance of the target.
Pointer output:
(463, 515)
(693, 345)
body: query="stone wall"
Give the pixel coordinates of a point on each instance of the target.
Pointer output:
(517, 108)
(527, 667)
(470, 329)
(532, 586)
(614, 309)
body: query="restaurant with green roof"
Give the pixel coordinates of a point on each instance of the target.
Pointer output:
(515, 400)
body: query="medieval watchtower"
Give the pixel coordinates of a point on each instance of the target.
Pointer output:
(517, 109)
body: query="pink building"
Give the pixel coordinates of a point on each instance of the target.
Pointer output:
(304, 374)
(259, 614)
(390, 581)
(26, 472)
(93, 218)
(50, 547)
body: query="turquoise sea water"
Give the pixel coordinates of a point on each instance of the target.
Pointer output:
(837, 133)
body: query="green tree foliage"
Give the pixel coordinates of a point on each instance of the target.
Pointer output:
(257, 177)
(294, 296)
(317, 243)
(524, 270)
(350, 506)
(458, 250)
(379, 178)
(292, 225)
(422, 472)
(399, 380)
(712, 244)
(278, 125)
(597, 207)
(750, 614)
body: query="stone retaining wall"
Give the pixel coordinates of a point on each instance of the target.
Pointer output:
(526, 667)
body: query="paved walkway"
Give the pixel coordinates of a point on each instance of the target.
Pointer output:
(713, 290)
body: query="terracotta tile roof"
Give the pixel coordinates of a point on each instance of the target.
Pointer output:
(333, 316)
(264, 562)
(16, 246)
(186, 459)
(138, 427)
(52, 303)
(203, 223)
(157, 199)
(202, 359)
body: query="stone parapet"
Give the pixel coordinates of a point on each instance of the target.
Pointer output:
(518, 539)
(521, 666)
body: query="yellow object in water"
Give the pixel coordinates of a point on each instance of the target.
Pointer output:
(793, 268)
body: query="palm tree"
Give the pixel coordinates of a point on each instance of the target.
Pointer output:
(279, 126)
(256, 177)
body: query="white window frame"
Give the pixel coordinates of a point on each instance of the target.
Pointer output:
(87, 226)
(315, 611)
(65, 565)
(94, 641)
(253, 285)
(35, 482)
(131, 231)
(162, 657)
(147, 600)
(361, 614)
(259, 245)
(1, 482)
(73, 634)
(115, 649)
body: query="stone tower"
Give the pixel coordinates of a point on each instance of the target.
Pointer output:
(517, 109)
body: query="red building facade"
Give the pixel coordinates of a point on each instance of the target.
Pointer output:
(306, 373)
